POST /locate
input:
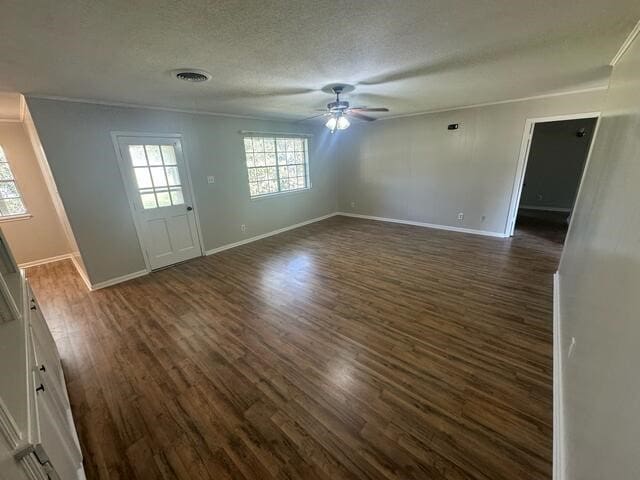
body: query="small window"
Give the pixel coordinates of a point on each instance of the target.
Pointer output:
(156, 172)
(11, 203)
(276, 164)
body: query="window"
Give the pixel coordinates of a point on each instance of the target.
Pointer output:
(11, 203)
(156, 172)
(276, 164)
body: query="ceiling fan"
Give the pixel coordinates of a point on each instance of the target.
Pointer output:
(339, 110)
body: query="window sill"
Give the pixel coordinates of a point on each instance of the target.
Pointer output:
(280, 194)
(11, 218)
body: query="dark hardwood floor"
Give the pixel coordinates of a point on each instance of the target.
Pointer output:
(344, 349)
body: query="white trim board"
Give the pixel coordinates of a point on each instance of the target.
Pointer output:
(497, 102)
(427, 225)
(92, 101)
(626, 44)
(290, 120)
(113, 281)
(559, 469)
(545, 209)
(269, 234)
(81, 272)
(131, 276)
(43, 261)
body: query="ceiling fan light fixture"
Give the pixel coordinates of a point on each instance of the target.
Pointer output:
(332, 123)
(342, 123)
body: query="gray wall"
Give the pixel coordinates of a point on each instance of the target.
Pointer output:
(413, 168)
(599, 301)
(556, 161)
(41, 236)
(76, 138)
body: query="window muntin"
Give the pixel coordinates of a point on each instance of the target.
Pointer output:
(276, 164)
(156, 173)
(11, 203)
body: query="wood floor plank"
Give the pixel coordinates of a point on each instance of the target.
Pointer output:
(343, 349)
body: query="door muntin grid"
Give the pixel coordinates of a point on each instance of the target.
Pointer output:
(157, 176)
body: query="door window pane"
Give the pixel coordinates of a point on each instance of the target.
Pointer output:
(148, 200)
(172, 175)
(168, 154)
(176, 196)
(153, 154)
(143, 177)
(164, 200)
(138, 158)
(154, 178)
(158, 176)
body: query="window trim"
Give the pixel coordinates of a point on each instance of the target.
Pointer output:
(27, 212)
(274, 135)
(12, 218)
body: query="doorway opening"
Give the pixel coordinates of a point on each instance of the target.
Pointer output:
(553, 160)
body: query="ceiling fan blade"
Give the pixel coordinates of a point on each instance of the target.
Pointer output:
(361, 116)
(367, 109)
(314, 116)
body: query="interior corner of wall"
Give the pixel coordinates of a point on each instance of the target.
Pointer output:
(47, 174)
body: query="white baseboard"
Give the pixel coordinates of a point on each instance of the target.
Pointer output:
(558, 412)
(545, 209)
(113, 281)
(427, 225)
(81, 272)
(268, 234)
(35, 263)
(228, 246)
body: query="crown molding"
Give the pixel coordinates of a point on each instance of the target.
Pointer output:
(154, 107)
(498, 102)
(273, 119)
(626, 44)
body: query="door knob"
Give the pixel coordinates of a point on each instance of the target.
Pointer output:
(189, 208)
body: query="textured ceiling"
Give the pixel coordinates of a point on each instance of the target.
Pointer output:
(271, 58)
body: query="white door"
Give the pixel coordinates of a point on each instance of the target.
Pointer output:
(159, 191)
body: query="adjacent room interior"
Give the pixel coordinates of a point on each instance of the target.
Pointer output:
(303, 240)
(555, 161)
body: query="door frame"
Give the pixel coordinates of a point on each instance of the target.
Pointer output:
(131, 199)
(523, 159)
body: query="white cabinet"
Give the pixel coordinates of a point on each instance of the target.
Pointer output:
(38, 440)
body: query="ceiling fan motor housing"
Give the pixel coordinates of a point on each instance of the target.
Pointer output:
(338, 106)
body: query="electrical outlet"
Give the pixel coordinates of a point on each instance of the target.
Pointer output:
(243, 228)
(483, 218)
(460, 216)
(211, 179)
(353, 204)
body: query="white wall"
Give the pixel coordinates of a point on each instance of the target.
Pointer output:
(76, 139)
(41, 236)
(413, 168)
(599, 294)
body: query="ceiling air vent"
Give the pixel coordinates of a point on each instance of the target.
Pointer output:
(194, 76)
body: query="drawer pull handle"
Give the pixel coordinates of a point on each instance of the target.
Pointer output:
(42, 368)
(33, 307)
(40, 388)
